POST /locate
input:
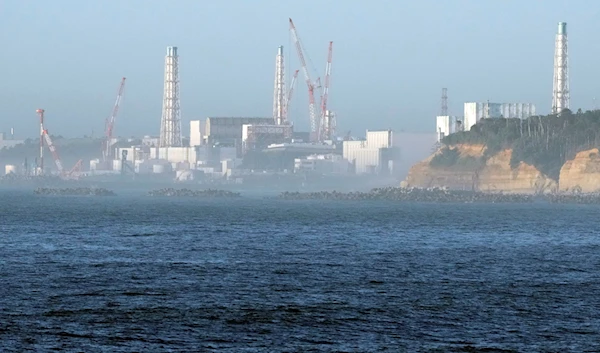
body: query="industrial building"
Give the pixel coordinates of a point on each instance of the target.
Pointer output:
(322, 164)
(8, 141)
(446, 125)
(258, 137)
(228, 130)
(375, 155)
(473, 112)
(196, 133)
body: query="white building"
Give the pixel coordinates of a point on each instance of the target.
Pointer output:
(196, 132)
(477, 111)
(446, 125)
(9, 141)
(259, 136)
(178, 157)
(374, 155)
(150, 141)
(322, 164)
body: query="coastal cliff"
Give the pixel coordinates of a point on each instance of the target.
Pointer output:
(582, 173)
(540, 154)
(467, 169)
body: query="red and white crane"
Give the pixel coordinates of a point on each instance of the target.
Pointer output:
(314, 129)
(289, 95)
(327, 122)
(110, 124)
(52, 149)
(45, 137)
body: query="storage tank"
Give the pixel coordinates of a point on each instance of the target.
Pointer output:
(10, 169)
(94, 164)
(158, 168)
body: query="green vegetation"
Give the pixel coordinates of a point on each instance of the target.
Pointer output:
(545, 142)
(70, 151)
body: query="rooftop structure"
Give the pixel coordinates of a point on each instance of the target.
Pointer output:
(259, 136)
(446, 125)
(477, 111)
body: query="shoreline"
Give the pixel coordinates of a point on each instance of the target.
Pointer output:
(393, 194)
(439, 195)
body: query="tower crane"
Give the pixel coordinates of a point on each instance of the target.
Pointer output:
(289, 95)
(314, 131)
(110, 124)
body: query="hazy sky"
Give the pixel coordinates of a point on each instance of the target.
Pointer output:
(390, 61)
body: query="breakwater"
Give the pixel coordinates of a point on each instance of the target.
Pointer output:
(410, 194)
(74, 192)
(577, 198)
(439, 195)
(210, 193)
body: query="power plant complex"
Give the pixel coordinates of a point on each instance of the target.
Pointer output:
(230, 148)
(233, 148)
(475, 111)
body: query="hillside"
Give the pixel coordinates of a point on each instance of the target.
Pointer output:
(544, 142)
(69, 150)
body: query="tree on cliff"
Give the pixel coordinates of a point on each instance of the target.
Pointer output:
(545, 142)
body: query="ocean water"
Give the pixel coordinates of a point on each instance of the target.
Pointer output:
(135, 273)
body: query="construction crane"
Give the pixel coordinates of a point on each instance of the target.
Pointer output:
(314, 131)
(40, 164)
(75, 171)
(326, 120)
(348, 136)
(45, 137)
(289, 95)
(110, 124)
(54, 152)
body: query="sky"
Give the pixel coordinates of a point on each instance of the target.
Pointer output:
(391, 59)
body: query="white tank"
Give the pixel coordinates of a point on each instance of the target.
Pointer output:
(10, 169)
(158, 168)
(94, 164)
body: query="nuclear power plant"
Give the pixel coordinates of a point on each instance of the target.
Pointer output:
(233, 148)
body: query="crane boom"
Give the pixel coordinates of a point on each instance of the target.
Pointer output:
(52, 149)
(326, 125)
(289, 95)
(110, 123)
(311, 88)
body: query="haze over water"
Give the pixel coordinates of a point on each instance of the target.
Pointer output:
(153, 274)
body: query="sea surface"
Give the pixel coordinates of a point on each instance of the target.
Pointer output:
(139, 274)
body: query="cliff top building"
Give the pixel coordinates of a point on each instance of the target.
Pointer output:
(476, 111)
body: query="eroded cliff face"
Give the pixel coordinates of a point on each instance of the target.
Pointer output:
(581, 173)
(494, 176)
(497, 175)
